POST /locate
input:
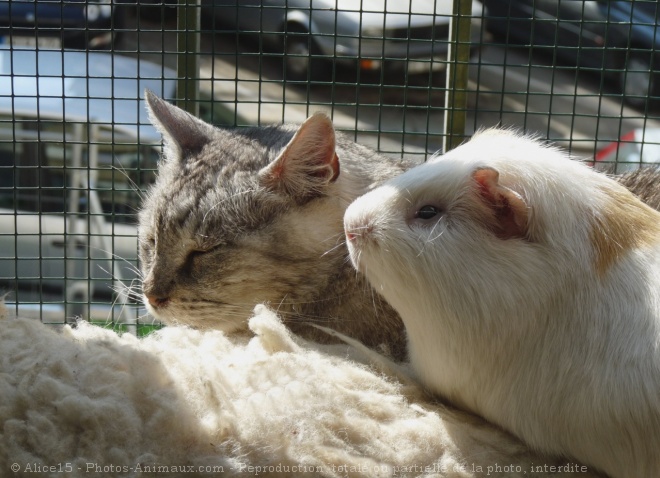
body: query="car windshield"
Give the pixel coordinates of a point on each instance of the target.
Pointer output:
(49, 166)
(649, 8)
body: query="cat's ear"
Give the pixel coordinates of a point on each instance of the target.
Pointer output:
(507, 213)
(184, 134)
(307, 164)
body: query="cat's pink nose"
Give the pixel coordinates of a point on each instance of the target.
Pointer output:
(157, 302)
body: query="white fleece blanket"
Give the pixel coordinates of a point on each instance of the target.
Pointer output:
(180, 402)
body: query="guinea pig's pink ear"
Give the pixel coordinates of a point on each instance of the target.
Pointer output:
(508, 211)
(307, 164)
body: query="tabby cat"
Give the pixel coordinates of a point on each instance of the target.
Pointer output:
(246, 216)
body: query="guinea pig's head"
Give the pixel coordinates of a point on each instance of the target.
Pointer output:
(500, 222)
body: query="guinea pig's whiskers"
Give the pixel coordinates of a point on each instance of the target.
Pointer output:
(338, 239)
(373, 298)
(332, 249)
(347, 259)
(430, 238)
(408, 197)
(335, 237)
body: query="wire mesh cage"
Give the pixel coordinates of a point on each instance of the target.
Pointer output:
(406, 77)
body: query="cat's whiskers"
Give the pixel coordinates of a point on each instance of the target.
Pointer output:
(203, 316)
(126, 292)
(119, 283)
(123, 292)
(132, 291)
(123, 295)
(220, 203)
(281, 302)
(315, 301)
(134, 186)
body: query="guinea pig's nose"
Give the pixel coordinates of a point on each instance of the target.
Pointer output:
(355, 232)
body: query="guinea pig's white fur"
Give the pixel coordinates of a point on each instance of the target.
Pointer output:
(529, 285)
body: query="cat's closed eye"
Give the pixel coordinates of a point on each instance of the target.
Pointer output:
(147, 242)
(200, 253)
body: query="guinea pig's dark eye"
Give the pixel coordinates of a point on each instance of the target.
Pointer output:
(427, 212)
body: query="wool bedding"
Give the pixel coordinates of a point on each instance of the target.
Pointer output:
(181, 402)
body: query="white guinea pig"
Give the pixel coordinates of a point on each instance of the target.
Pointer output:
(529, 286)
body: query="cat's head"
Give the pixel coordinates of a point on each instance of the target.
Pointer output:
(237, 217)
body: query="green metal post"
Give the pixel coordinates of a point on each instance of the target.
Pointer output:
(457, 74)
(188, 33)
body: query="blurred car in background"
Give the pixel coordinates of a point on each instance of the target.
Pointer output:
(621, 37)
(637, 148)
(76, 148)
(409, 36)
(76, 151)
(57, 24)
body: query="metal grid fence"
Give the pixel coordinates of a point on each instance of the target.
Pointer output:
(76, 147)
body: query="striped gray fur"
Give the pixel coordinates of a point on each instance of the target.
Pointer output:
(218, 234)
(643, 183)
